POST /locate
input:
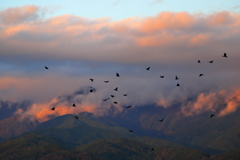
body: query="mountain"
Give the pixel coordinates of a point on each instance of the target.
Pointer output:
(15, 126)
(33, 146)
(213, 135)
(39, 147)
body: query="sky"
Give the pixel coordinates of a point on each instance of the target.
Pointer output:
(82, 40)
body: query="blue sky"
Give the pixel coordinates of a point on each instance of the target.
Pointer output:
(121, 9)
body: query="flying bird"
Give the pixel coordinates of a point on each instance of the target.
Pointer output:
(178, 85)
(201, 75)
(76, 117)
(53, 108)
(130, 131)
(176, 78)
(116, 89)
(91, 79)
(117, 75)
(198, 61)
(225, 55)
(106, 81)
(91, 90)
(112, 96)
(160, 120)
(152, 149)
(161, 76)
(128, 106)
(212, 115)
(125, 95)
(106, 99)
(46, 67)
(74, 105)
(115, 102)
(148, 68)
(210, 61)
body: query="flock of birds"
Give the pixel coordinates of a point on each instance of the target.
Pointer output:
(116, 89)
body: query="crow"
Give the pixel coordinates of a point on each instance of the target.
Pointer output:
(91, 90)
(74, 105)
(106, 81)
(212, 115)
(198, 61)
(116, 89)
(106, 99)
(178, 85)
(160, 120)
(210, 61)
(53, 108)
(115, 102)
(91, 79)
(225, 55)
(161, 76)
(148, 68)
(125, 95)
(46, 67)
(129, 107)
(176, 78)
(152, 149)
(117, 75)
(112, 96)
(130, 131)
(201, 75)
(76, 117)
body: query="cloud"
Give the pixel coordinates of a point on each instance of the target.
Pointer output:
(156, 1)
(19, 14)
(223, 102)
(77, 48)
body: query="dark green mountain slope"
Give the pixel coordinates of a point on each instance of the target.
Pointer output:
(37, 147)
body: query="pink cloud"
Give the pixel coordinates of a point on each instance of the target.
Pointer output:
(19, 14)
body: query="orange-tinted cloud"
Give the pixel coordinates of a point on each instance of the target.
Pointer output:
(222, 102)
(19, 14)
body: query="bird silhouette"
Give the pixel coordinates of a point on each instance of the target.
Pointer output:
(130, 131)
(91, 79)
(112, 96)
(76, 117)
(161, 76)
(53, 108)
(212, 115)
(46, 67)
(74, 105)
(128, 106)
(178, 85)
(225, 55)
(152, 149)
(106, 99)
(176, 78)
(148, 68)
(117, 75)
(91, 90)
(125, 95)
(116, 89)
(201, 75)
(106, 81)
(160, 120)
(115, 102)
(210, 61)
(198, 61)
